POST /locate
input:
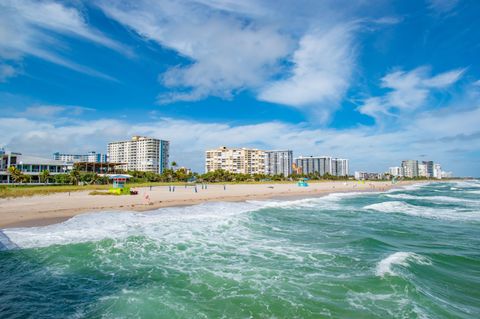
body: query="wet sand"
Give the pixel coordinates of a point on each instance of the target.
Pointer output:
(50, 209)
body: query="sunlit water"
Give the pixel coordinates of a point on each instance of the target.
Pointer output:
(409, 253)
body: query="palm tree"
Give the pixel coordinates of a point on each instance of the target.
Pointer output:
(174, 164)
(44, 176)
(16, 174)
(75, 176)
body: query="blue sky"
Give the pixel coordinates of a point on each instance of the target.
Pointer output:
(373, 81)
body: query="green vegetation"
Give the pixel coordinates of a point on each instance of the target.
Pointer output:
(80, 181)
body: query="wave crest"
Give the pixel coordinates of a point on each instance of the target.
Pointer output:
(400, 258)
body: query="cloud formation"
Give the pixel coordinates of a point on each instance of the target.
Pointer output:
(321, 72)
(227, 53)
(32, 28)
(407, 91)
(368, 148)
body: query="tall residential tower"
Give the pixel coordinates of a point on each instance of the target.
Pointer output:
(235, 160)
(140, 154)
(278, 162)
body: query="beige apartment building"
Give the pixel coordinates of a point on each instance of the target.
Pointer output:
(235, 160)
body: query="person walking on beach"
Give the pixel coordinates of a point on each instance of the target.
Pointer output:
(147, 199)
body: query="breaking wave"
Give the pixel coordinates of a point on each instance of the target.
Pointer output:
(401, 258)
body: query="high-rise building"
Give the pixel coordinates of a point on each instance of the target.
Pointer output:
(278, 162)
(140, 154)
(235, 160)
(323, 165)
(410, 168)
(314, 164)
(396, 171)
(90, 157)
(422, 170)
(340, 167)
(437, 171)
(428, 167)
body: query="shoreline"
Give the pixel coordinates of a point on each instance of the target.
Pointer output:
(42, 210)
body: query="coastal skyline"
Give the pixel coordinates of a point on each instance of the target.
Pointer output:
(377, 84)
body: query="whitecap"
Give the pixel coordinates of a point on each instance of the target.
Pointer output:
(400, 258)
(163, 223)
(435, 199)
(422, 211)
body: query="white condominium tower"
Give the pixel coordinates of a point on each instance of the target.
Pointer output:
(235, 160)
(340, 167)
(314, 164)
(437, 171)
(323, 165)
(140, 154)
(410, 168)
(278, 162)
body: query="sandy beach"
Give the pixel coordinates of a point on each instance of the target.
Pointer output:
(50, 209)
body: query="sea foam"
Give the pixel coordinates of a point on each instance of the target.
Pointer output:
(163, 223)
(401, 258)
(436, 199)
(422, 211)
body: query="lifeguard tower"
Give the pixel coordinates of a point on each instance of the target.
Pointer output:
(118, 186)
(302, 182)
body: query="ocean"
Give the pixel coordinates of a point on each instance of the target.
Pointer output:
(405, 253)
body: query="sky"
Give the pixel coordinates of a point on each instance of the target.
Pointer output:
(373, 81)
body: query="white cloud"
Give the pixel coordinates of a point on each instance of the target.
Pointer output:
(442, 6)
(408, 90)
(368, 148)
(31, 28)
(6, 72)
(227, 52)
(322, 69)
(51, 111)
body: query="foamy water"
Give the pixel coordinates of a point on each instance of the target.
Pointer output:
(405, 253)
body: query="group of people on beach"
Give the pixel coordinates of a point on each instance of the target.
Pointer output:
(171, 188)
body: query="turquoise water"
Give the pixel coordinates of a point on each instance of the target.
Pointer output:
(409, 253)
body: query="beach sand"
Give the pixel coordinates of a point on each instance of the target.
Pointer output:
(50, 209)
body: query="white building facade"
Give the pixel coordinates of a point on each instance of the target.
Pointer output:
(31, 166)
(278, 162)
(437, 171)
(340, 167)
(410, 168)
(90, 157)
(322, 165)
(141, 153)
(396, 171)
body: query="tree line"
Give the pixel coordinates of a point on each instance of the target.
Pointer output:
(76, 177)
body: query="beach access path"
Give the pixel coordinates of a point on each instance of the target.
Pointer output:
(49, 209)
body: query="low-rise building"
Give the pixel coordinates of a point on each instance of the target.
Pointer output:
(396, 171)
(31, 166)
(364, 176)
